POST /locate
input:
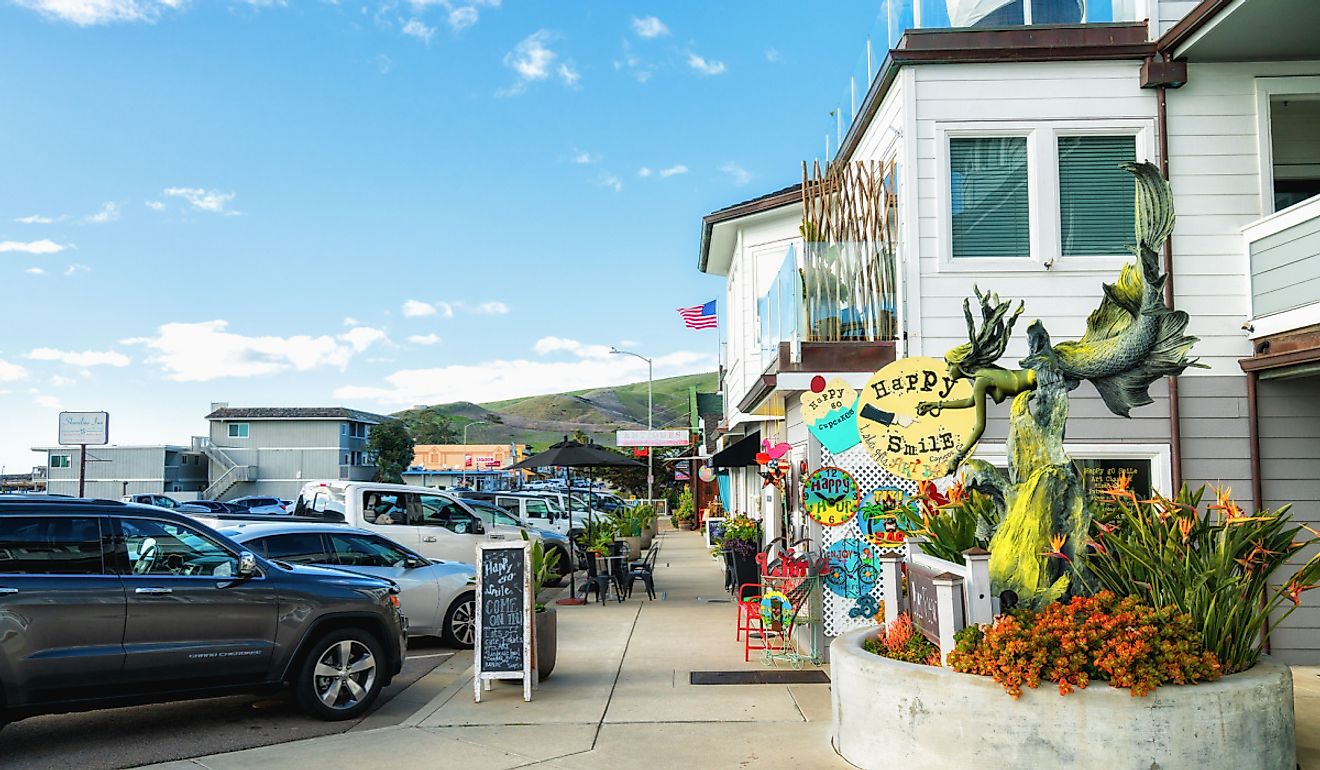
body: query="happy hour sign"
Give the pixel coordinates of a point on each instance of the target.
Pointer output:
(830, 496)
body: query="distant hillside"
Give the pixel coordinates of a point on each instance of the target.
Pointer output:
(598, 412)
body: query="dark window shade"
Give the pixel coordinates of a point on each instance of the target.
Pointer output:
(988, 182)
(1096, 196)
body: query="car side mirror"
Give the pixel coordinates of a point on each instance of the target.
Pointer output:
(247, 564)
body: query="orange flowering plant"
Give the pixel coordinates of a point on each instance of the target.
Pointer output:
(1213, 563)
(1118, 640)
(901, 640)
(955, 520)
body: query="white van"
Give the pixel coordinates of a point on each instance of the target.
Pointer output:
(433, 524)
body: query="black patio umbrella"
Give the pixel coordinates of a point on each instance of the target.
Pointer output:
(575, 454)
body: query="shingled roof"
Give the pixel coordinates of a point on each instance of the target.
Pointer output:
(295, 413)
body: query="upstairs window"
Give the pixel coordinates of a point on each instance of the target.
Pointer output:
(989, 182)
(1096, 204)
(238, 430)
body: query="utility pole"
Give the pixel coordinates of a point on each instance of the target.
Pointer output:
(650, 421)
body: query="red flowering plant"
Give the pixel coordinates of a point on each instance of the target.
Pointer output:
(1214, 563)
(901, 640)
(1104, 637)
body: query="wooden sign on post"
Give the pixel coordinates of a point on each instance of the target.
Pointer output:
(504, 616)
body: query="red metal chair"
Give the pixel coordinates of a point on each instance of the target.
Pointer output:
(750, 629)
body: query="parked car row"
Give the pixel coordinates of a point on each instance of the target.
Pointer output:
(109, 603)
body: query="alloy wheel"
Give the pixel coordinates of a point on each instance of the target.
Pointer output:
(344, 674)
(462, 624)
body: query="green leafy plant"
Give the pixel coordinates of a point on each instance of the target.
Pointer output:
(740, 535)
(646, 514)
(955, 522)
(900, 640)
(1214, 564)
(629, 522)
(597, 535)
(685, 510)
(544, 566)
(1118, 640)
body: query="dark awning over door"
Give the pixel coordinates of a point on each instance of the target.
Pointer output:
(740, 455)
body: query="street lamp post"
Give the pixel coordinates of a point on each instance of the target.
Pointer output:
(650, 417)
(465, 454)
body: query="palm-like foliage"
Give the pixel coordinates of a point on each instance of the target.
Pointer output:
(1214, 564)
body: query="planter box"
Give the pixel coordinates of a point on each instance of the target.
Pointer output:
(893, 714)
(547, 642)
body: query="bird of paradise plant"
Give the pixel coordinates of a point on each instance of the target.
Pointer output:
(1215, 564)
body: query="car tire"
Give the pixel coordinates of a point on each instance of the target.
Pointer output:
(323, 687)
(460, 629)
(556, 580)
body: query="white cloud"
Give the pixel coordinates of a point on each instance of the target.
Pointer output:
(532, 61)
(211, 201)
(501, 379)
(548, 345)
(199, 352)
(583, 158)
(60, 381)
(494, 307)
(109, 212)
(703, 65)
(649, 26)
(415, 308)
(643, 172)
(384, 64)
(772, 55)
(155, 205)
(38, 219)
(418, 29)
(351, 321)
(48, 402)
(611, 182)
(86, 13)
(11, 372)
(75, 269)
(463, 17)
(425, 339)
(673, 170)
(82, 358)
(738, 174)
(43, 246)
(35, 271)
(634, 64)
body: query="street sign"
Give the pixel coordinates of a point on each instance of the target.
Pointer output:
(652, 438)
(84, 428)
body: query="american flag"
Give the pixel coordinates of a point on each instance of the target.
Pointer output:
(699, 316)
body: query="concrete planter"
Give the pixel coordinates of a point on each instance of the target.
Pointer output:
(547, 642)
(648, 534)
(634, 546)
(893, 714)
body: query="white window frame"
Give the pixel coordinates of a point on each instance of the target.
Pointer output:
(1044, 218)
(1267, 88)
(1160, 456)
(67, 458)
(244, 433)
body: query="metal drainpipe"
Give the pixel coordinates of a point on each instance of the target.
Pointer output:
(1175, 421)
(1257, 487)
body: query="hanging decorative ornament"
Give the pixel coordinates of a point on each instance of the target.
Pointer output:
(908, 446)
(830, 496)
(706, 474)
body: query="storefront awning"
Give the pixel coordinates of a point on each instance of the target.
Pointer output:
(740, 454)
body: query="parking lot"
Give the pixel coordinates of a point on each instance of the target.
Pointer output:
(141, 735)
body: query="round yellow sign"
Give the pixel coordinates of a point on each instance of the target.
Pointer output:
(908, 446)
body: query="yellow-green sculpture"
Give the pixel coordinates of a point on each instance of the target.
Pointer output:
(1038, 549)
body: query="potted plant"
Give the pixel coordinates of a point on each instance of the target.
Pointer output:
(628, 529)
(545, 634)
(685, 511)
(740, 541)
(646, 513)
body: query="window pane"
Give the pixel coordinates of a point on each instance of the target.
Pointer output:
(50, 546)
(166, 548)
(358, 551)
(384, 508)
(988, 185)
(1096, 196)
(301, 548)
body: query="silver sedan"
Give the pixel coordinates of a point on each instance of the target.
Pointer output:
(438, 597)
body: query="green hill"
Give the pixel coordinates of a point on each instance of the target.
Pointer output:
(543, 420)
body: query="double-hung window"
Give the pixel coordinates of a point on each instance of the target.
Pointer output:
(1038, 195)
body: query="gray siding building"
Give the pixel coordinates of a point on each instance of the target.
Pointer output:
(274, 451)
(116, 471)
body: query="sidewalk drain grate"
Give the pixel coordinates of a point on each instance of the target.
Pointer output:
(759, 677)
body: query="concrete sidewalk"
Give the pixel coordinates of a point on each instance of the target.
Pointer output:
(619, 696)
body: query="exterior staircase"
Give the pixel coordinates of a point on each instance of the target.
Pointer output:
(234, 472)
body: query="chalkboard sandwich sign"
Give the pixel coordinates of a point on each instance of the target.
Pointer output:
(504, 616)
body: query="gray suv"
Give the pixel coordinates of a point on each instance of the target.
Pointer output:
(105, 603)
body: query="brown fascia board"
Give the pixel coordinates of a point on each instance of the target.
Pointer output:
(1081, 42)
(1190, 24)
(784, 197)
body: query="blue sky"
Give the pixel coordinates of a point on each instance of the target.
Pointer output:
(376, 204)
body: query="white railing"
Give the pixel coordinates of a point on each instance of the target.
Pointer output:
(963, 593)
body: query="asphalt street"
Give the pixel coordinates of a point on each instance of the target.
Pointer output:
(140, 735)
